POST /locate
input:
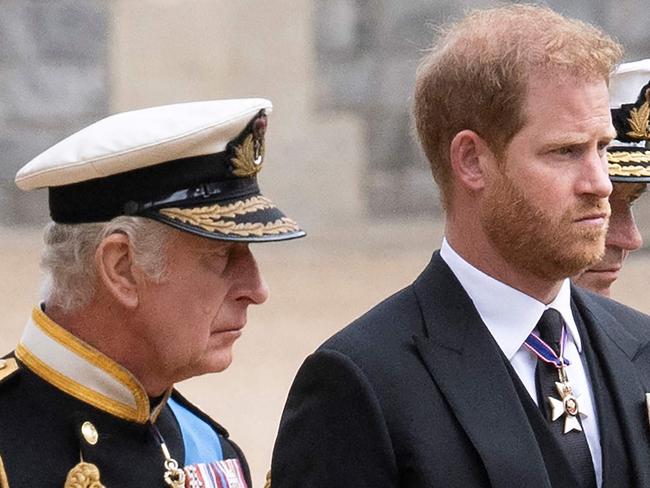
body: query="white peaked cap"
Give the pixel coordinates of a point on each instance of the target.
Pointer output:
(628, 156)
(192, 166)
(140, 138)
(627, 81)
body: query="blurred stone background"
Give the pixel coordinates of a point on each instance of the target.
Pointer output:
(341, 159)
(340, 73)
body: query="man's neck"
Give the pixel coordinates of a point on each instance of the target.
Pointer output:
(478, 252)
(105, 332)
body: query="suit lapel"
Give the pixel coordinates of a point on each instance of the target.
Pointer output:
(615, 349)
(468, 367)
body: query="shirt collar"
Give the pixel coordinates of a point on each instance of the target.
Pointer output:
(509, 314)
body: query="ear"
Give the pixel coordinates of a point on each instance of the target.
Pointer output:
(470, 157)
(116, 270)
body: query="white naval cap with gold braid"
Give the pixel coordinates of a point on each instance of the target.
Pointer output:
(140, 138)
(627, 80)
(628, 156)
(192, 166)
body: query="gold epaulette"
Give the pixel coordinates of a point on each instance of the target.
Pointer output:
(7, 368)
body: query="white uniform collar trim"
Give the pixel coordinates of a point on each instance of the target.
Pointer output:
(82, 371)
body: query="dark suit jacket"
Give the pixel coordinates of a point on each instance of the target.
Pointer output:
(416, 393)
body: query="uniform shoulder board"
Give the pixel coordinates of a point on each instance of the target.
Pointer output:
(8, 367)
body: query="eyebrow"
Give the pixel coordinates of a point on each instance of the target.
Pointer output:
(576, 140)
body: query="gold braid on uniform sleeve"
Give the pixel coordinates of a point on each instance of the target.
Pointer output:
(4, 482)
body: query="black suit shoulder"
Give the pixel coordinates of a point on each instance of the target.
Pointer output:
(379, 347)
(397, 318)
(357, 402)
(630, 320)
(627, 328)
(341, 392)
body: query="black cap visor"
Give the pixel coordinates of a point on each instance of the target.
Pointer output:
(249, 218)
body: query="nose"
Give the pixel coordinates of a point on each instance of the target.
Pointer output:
(595, 179)
(623, 232)
(251, 286)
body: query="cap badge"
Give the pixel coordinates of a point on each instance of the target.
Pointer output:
(250, 153)
(639, 120)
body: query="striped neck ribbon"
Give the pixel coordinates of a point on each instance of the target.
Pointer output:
(544, 352)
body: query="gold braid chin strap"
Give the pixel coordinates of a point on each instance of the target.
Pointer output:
(267, 482)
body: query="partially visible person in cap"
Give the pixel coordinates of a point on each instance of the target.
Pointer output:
(628, 157)
(149, 278)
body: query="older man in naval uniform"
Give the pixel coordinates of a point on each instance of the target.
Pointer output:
(491, 370)
(628, 158)
(149, 278)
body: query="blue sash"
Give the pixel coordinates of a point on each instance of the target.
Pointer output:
(201, 442)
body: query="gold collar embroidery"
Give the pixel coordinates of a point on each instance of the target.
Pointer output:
(82, 371)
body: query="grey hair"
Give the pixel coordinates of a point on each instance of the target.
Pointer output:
(68, 258)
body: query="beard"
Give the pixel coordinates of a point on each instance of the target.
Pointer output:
(537, 242)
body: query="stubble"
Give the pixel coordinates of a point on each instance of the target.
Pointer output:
(533, 241)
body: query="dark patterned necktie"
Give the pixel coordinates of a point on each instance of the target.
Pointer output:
(574, 443)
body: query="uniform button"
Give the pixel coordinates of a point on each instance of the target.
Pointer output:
(3, 363)
(89, 432)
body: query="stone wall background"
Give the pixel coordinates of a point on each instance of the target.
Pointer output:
(53, 81)
(368, 52)
(340, 73)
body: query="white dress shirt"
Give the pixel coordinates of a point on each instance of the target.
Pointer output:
(511, 316)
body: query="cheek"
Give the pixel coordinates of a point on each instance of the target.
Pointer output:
(209, 302)
(185, 311)
(196, 294)
(540, 190)
(548, 187)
